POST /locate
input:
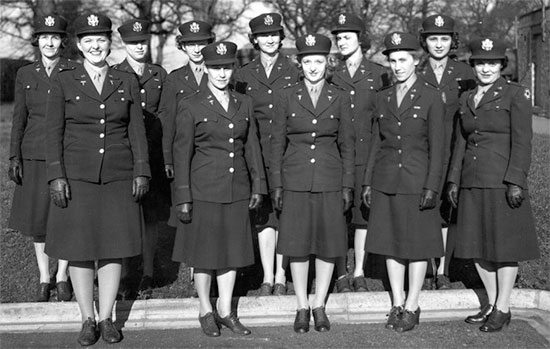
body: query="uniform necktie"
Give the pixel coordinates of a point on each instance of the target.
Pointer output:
(224, 101)
(438, 72)
(97, 82)
(268, 67)
(198, 74)
(49, 70)
(401, 91)
(352, 68)
(478, 96)
(314, 94)
(140, 71)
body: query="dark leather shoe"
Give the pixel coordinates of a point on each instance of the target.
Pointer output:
(266, 289)
(496, 321)
(343, 285)
(442, 282)
(64, 293)
(360, 284)
(321, 320)
(88, 333)
(43, 292)
(145, 290)
(394, 316)
(301, 322)
(279, 289)
(209, 325)
(409, 319)
(482, 316)
(232, 322)
(108, 331)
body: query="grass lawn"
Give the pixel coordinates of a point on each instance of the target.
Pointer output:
(19, 273)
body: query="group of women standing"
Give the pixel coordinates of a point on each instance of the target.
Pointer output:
(281, 153)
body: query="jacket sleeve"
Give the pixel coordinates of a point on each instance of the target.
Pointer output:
(55, 129)
(373, 148)
(459, 148)
(253, 155)
(20, 114)
(167, 116)
(278, 141)
(136, 132)
(346, 143)
(521, 133)
(184, 142)
(436, 143)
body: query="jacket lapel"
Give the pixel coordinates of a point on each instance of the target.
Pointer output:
(391, 100)
(362, 72)
(492, 93)
(326, 98)
(410, 97)
(148, 74)
(85, 84)
(111, 83)
(234, 104)
(303, 98)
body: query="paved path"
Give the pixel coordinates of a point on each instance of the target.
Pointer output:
(541, 125)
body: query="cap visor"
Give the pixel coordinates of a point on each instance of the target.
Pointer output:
(221, 61)
(268, 30)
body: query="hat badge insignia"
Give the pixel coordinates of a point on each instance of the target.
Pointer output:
(310, 40)
(93, 20)
(487, 44)
(268, 20)
(221, 49)
(439, 22)
(194, 27)
(49, 21)
(137, 27)
(341, 19)
(396, 39)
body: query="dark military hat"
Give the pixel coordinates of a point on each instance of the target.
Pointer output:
(135, 30)
(312, 44)
(348, 23)
(399, 41)
(266, 23)
(50, 24)
(219, 53)
(487, 48)
(92, 23)
(195, 31)
(438, 24)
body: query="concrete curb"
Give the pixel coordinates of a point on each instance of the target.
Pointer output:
(364, 307)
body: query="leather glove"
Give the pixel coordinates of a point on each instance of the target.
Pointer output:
(169, 170)
(427, 199)
(60, 192)
(452, 194)
(277, 199)
(347, 197)
(366, 194)
(140, 187)
(514, 195)
(15, 171)
(184, 212)
(255, 201)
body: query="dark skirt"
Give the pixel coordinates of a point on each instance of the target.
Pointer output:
(265, 217)
(399, 229)
(359, 211)
(31, 200)
(219, 236)
(488, 228)
(312, 223)
(101, 221)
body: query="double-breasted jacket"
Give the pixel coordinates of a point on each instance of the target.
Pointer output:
(493, 146)
(91, 137)
(217, 154)
(32, 85)
(313, 147)
(406, 154)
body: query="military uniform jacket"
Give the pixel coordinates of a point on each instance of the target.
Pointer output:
(493, 146)
(251, 80)
(181, 83)
(313, 148)
(91, 137)
(217, 154)
(406, 154)
(32, 85)
(362, 87)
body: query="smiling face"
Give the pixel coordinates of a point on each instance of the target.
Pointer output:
(94, 48)
(137, 50)
(314, 67)
(403, 64)
(487, 70)
(268, 42)
(219, 75)
(347, 42)
(49, 45)
(193, 50)
(439, 45)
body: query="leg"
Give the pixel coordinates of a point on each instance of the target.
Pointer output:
(108, 277)
(43, 262)
(359, 248)
(267, 240)
(323, 274)
(82, 276)
(417, 272)
(281, 262)
(203, 281)
(226, 283)
(506, 276)
(62, 269)
(299, 267)
(441, 267)
(487, 273)
(396, 275)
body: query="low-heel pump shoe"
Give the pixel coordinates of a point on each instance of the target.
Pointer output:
(64, 293)
(209, 325)
(232, 322)
(496, 321)
(409, 319)
(482, 316)
(394, 316)
(301, 322)
(108, 331)
(43, 294)
(321, 320)
(88, 333)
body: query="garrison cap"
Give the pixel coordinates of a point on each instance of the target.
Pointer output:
(348, 22)
(135, 30)
(195, 31)
(219, 53)
(92, 23)
(487, 48)
(399, 41)
(266, 23)
(313, 44)
(50, 24)
(437, 24)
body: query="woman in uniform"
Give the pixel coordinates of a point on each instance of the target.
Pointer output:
(97, 163)
(135, 36)
(361, 79)
(219, 177)
(488, 181)
(27, 169)
(312, 166)
(260, 79)
(402, 178)
(450, 78)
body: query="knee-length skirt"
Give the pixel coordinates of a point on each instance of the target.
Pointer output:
(101, 221)
(31, 200)
(399, 229)
(312, 224)
(488, 228)
(219, 236)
